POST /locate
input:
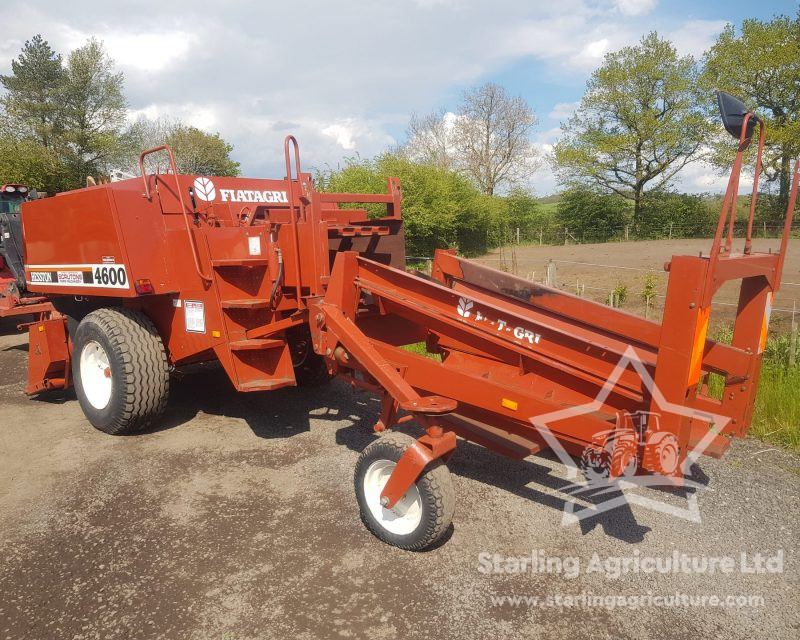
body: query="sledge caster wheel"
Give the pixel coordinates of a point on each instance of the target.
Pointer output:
(422, 516)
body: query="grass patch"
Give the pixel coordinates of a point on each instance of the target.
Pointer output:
(420, 350)
(777, 415)
(776, 418)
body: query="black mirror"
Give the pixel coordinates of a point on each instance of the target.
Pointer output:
(733, 112)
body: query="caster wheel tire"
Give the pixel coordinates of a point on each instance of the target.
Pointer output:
(422, 516)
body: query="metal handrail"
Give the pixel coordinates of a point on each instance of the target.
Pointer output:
(787, 224)
(728, 212)
(295, 236)
(727, 215)
(146, 194)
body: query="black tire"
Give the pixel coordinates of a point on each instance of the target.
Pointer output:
(435, 488)
(138, 368)
(313, 372)
(310, 369)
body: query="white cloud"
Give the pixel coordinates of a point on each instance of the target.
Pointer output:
(697, 36)
(563, 111)
(149, 51)
(202, 116)
(635, 7)
(348, 84)
(701, 177)
(144, 51)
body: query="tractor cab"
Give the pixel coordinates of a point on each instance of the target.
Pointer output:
(13, 299)
(12, 196)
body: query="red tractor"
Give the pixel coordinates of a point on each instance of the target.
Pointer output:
(283, 285)
(14, 298)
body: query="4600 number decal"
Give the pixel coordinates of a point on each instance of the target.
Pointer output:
(102, 276)
(109, 275)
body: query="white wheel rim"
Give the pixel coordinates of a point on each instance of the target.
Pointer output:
(96, 375)
(406, 515)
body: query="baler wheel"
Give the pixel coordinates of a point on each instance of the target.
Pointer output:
(422, 516)
(310, 369)
(119, 366)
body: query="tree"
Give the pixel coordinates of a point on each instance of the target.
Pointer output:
(761, 65)
(596, 216)
(430, 139)
(95, 110)
(638, 124)
(441, 208)
(487, 140)
(198, 152)
(75, 113)
(678, 214)
(26, 161)
(33, 103)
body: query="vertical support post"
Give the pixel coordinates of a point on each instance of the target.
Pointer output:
(541, 236)
(681, 344)
(627, 234)
(793, 338)
(551, 274)
(751, 316)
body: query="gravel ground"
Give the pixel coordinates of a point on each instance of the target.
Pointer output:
(237, 519)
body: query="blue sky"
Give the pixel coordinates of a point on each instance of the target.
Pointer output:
(345, 76)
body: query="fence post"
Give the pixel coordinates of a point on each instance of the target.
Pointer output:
(765, 229)
(627, 227)
(566, 235)
(517, 235)
(670, 231)
(541, 234)
(551, 273)
(513, 259)
(793, 339)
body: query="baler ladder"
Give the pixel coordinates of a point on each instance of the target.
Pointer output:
(184, 209)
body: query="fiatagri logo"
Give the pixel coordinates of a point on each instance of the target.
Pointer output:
(205, 190)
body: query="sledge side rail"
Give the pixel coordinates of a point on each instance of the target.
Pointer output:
(509, 352)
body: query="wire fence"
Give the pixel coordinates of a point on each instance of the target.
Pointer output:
(643, 294)
(559, 234)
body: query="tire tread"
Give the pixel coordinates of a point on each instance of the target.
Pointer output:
(144, 360)
(436, 488)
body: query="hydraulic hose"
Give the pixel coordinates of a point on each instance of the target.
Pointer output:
(278, 279)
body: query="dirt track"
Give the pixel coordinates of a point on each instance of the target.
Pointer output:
(237, 519)
(601, 267)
